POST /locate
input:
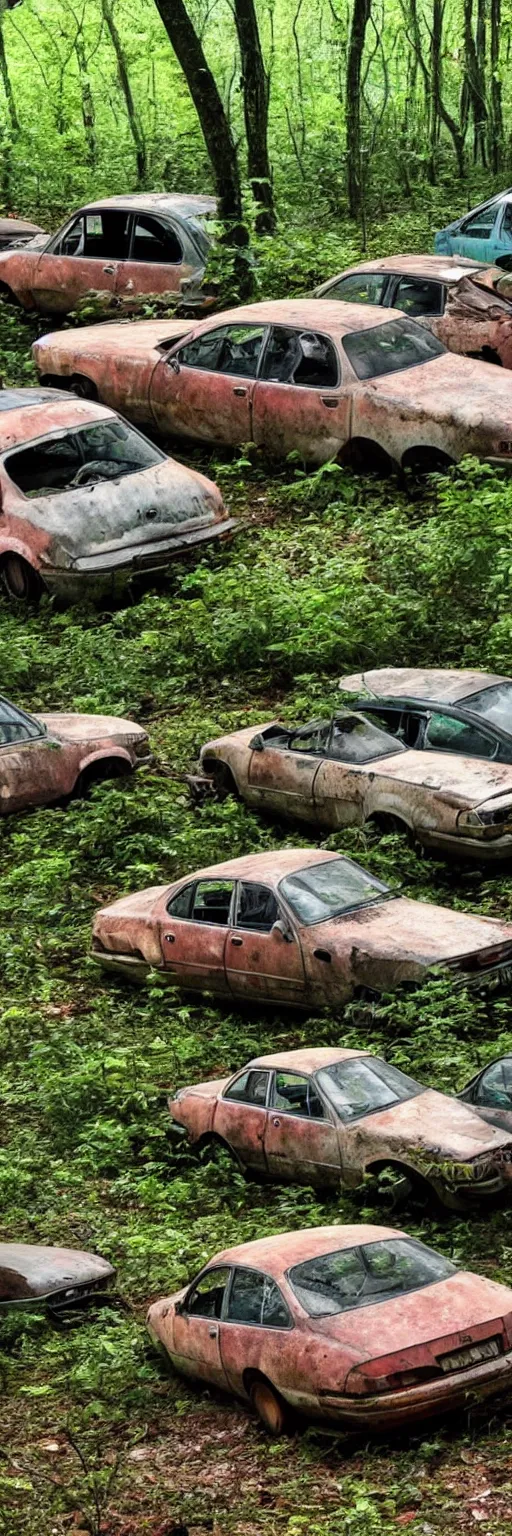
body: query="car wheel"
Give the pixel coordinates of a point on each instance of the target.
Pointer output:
(83, 387)
(398, 1186)
(20, 581)
(269, 1406)
(96, 773)
(366, 457)
(224, 781)
(427, 461)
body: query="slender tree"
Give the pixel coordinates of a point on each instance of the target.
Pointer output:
(255, 87)
(359, 21)
(124, 81)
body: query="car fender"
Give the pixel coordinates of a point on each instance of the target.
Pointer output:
(108, 753)
(13, 546)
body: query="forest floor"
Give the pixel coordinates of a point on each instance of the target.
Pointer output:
(327, 573)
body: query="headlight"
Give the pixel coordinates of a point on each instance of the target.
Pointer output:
(493, 817)
(141, 746)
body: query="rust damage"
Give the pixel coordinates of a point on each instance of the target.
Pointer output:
(46, 758)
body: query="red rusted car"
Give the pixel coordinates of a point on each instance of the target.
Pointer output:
(362, 1325)
(490, 1093)
(33, 1278)
(300, 926)
(466, 304)
(347, 771)
(323, 379)
(327, 1117)
(88, 504)
(145, 242)
(438, 710)
(46, 758)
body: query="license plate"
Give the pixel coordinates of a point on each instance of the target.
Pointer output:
(473, 1355)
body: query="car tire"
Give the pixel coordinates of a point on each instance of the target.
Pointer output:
(269, 1406)
(83, 387)
(224, 781)
(19, 579)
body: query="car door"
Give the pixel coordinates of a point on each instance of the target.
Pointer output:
(343, 785)
(282, 778)
(475, 235)
(84, 255)
(300, 402)
(196, 1328)
(204, 388)
(256, 1330)
(241, 1113)
(263, 961)
(301, 1139)
(155, 261)
(35, 768)
(501, 238)
(193, 929)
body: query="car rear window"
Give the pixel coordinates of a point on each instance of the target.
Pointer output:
(391, 347)
(105, 450)
(361, 1277)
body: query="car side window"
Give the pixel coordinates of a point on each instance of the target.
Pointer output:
(313, 738)
(297, 1095)
(446, 734)
(154, 242)
(14, 727)
(300, 357)
(479, 226)
(212, 901)
(73, 242)
(359, 288)
(416, 296)
(203, 352)
(255, 1298)
(401, 723)
(240, 350)
(506, 227)
(257, 907)
(206, 1298)
(251, 1087)
(495, 1085)
(356, 740)
(180, 904)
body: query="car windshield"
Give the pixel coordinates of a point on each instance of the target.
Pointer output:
(360, 1277)
(365, 1084)
(493, 704)
(390, 347)
(329, 889)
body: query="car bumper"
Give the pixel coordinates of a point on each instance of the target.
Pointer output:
(130, 966)
(384, 1410)
(110, 572)
(487, 850)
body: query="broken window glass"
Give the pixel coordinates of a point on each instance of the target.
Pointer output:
(255, 1298)
(364, 1085)
(391, 347)
(360, 1277)
(417, 296)
(212, 901)
(327, 890)
(495, 1085)
(206, 1298)
(241, 350)
(494, 704)
(359, 288)
(300, 357)
(357, 740)
(257, 907)
(296, 1095)
(105, 450)
(446, 734)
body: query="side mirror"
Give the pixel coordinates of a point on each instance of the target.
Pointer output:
(280, 927)
(172, 362)
(257, 744)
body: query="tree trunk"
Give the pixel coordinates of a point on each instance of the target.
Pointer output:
(124, 81)
(255, 88)
(88, 116)
(496, 135)
(360, 18)
(474, 81)
(6, 79)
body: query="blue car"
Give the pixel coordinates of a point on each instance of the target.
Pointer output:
(485, 234)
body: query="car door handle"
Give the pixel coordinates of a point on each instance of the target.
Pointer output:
(330, 401)
(169, 938)
(237, 943)
(239, 391)
(322, 954)
(213, 1332)
(109, 269)
(275, 1121)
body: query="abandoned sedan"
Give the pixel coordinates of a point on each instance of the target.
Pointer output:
(346, 771)
(329, 1117)
(466, 305)
(87, 503)
(147, 242)
(320, 378)
(362, 1325)
(490, 1093)
(438, 711)
(33, 1277)
(46, 758)
(299, 926)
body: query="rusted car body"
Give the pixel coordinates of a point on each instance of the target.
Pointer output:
(147, 242)
(329, 1117)
(299, 926)
(33, 1277)
(89, 504)
(468, 306)
(324, 379)
(346, 771)
(357, 1324)
(490, 1093)
(467, 712)
(46, 758)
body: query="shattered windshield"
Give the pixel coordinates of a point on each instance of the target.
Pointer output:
(494, 704)
(331, 888)
(104, 450)
(365, 1084)
(388, 348)
(360, 1277)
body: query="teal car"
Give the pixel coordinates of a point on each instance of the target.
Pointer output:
(485, 234)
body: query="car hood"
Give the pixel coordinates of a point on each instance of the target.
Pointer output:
(433, 1123)
(417, 930)
(155, 503)
(89, 728)
(451, 388)
(29, 1270)
(426, 1315)
(494, 1116)
(461, 780)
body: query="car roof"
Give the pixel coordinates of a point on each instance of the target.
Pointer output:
(36, 412)
(433, 684)
(271, 865)
(184, 203)
(446, 268)
(305, 314)
(306, 1058)
(276, 1254)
